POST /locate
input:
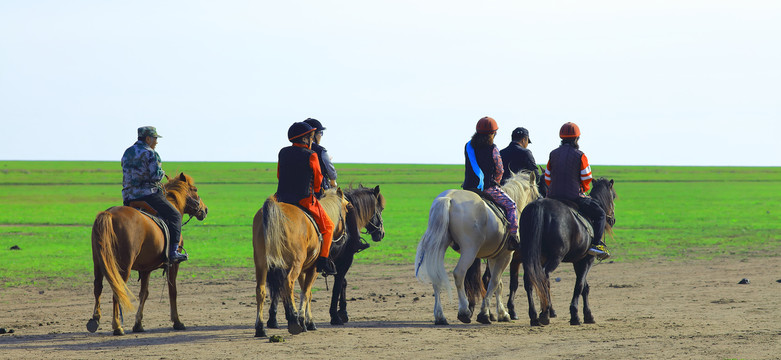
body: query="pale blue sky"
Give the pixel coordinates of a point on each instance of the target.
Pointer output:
(648, 82)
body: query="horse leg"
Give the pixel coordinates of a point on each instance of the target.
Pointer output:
(293, 321)
(116, 322)
(468, 256)
(142, 296)
(260, 298)
(272, 313)
(306, 292)
(527, 285)
(581, 269)
(588, 318)
(498, 268)
(335, 295)
(515, 266)
(343, 303)
(551, 312)
(486, 280)
(173, 270)
(439, 315)
(92, 324)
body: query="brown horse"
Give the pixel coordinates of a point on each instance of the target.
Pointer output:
(123, 239)
(286, 246)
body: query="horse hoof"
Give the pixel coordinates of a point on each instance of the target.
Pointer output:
(260, 332)
(483, 319)
(514, 317)
(575, 322)
(589, 320)
(492, 317)
(544, 321)
(119, 332)
(343, 316)
(179, 326)
(138, 328)
(272, 324)
(335, 320)
(552, 314)
(440, 322)
(535, 322)
(464, 318)
(294, 328)
(92, 325)
(311, 326)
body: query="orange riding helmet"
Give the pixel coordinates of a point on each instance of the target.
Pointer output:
(486, 125)
(569, 130)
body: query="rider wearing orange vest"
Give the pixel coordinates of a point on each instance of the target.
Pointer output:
(300, 180)
(568, 175)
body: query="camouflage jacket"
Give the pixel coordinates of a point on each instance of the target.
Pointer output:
(141, 171)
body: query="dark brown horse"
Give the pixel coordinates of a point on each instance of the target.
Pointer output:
(286, 246)
(365, 212)
(123, 239)
(550, 234)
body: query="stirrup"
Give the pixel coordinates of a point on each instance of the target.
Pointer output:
(600, 251)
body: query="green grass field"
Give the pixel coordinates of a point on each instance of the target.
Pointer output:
(676, 213)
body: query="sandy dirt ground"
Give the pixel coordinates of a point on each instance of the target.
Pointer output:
(645, 310)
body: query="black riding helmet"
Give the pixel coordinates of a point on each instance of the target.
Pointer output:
(315, 124)
(297, 130)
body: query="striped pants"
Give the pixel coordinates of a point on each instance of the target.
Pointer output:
(508, 204)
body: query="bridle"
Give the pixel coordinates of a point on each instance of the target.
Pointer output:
(371, 228)
(191, 205)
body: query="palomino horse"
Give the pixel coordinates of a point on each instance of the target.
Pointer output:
(123, 239)
(366, 212)
(550, 234)
(461, 219)
(286, 246)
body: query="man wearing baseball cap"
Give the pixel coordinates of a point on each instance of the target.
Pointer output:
(141, 176)
(517, 156)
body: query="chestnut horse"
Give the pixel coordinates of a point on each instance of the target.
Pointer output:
(124, 239)
(286, 246)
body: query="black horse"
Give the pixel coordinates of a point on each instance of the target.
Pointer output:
(365, 211)
(476, 289)
(550, 234)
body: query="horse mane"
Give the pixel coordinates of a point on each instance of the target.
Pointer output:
(603, 192)
(176, 189)
(362, 199)
(517, 187)
(331, 202)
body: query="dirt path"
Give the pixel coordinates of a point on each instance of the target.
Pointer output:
(649, 310)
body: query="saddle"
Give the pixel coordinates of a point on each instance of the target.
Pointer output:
(151, 213)
(312, 220)
(575, 211)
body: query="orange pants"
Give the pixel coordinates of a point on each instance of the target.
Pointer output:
(323, 222)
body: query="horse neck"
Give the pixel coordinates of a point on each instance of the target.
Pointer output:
(176, 198)
(331, 203)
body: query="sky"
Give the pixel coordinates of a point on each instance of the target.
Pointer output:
(661, 82)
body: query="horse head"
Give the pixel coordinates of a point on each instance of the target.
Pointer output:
(183, 188)
(604, 192)
(377, 230)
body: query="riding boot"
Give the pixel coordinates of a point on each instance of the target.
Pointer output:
(174, 255)
(325, 265)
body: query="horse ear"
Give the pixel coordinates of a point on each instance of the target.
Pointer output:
(182, 177)
(532, 178)
(339, 192)
(377, 190)
(167, 178)
(611, 182)
(542, 169)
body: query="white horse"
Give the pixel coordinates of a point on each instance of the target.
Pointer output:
(462, 219)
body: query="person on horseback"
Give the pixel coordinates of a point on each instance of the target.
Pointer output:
(517, 156)
(300, 183)
(568, 175)
(141, 176)
(326, 166)
(484, 170)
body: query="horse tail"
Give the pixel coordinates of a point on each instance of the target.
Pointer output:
(276, 278)
(430, 257)
(274, 233)
(104, 241)
(531, 246)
